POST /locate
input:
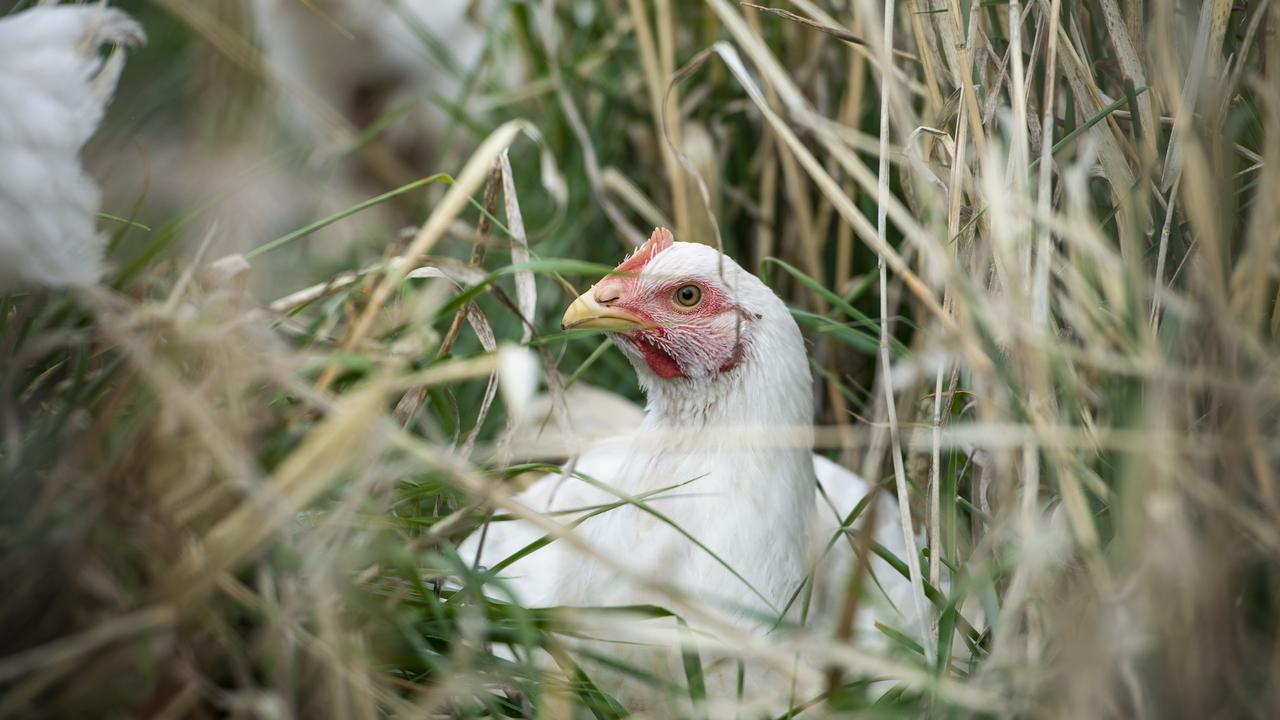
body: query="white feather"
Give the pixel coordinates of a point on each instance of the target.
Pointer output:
(54, 87)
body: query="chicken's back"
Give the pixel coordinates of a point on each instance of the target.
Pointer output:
(887, 594)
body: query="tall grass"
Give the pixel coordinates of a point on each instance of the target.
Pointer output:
(1034, 246)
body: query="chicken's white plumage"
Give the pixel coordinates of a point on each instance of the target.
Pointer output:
(723, 455)
(54, 87)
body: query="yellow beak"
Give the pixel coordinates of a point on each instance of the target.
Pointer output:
(587, 312)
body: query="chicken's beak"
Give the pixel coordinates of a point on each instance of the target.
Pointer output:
(587, 312)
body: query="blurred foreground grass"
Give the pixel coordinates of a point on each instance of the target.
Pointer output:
(222, 498)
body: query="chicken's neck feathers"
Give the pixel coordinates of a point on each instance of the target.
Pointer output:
(749, 499)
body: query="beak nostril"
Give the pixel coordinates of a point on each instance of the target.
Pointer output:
(607, 296)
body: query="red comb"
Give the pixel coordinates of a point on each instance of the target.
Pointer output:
(660, 240)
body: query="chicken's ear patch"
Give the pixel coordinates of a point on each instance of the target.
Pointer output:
(660, 240)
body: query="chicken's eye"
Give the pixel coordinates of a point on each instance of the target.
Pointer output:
(689, 295)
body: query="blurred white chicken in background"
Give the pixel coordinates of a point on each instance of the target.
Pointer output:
(54, 86)
(399, 61)
(377, 75)
(336, 74)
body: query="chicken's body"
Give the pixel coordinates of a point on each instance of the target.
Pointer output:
(724, 454)
(53, 89)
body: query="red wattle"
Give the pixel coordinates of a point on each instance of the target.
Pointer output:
(662, 364)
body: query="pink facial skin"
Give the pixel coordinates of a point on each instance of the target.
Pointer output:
(677, 342)
(680, 341)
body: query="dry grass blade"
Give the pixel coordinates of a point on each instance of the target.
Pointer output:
(467, 182)
(833, 31)
(67, 649)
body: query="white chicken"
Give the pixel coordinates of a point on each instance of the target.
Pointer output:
(730, 407)
(54, 87)
(365, 59)
(345, 71)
